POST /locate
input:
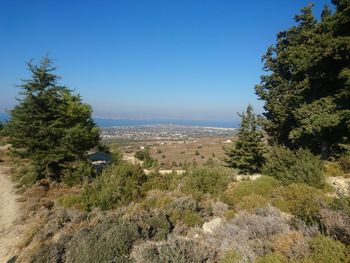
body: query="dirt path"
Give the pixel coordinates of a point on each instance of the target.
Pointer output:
(9, 215)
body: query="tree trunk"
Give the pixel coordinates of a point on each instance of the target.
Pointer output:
(324, 150)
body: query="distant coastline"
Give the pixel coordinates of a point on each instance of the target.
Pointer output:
(105, 123)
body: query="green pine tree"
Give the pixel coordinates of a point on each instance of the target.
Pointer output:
(50, 125)
(247, 154)
(307, 88)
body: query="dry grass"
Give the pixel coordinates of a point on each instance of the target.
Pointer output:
(180, 152)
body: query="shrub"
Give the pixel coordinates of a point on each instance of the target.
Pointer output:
(333, 169)
(203, 180)
(341, 204)
(272, 258)
(184, 209)
(251, 202)
(291, 245)
(231, 257)
(336, 224)
(69, 200)
(159, 181)
(77, 172)
(142, 154)
(249, 233)
(344, 163)
(196, 153)
(117, 185)
(301, 200)
(109, 241)
(26, 175)
(327, 250)
(289, 167)
(51, 253)
(174, 250)
(263, 186)
(158, 227)
(188, 217)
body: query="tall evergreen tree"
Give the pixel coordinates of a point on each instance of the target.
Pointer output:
(247, 154)
(307, 90)
(50, 125)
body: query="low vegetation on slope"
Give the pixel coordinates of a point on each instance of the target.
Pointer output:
(117, 212)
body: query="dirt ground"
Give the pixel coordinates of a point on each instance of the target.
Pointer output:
(10, 213)
(173, 154)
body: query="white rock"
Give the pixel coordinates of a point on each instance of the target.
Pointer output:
(210, 226)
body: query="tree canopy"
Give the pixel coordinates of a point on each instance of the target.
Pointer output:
(50, 125)
(307, 86)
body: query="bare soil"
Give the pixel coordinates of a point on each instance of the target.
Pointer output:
(10, 214)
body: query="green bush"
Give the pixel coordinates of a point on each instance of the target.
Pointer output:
(26, 175)
(188, 217)
(69, 200)
(158, 226)
(206, 180)
(301, 200)
(299, 166)
(77, 172)
(272, 258)
(231, 257)
(327, 250)
(263, 186)
(160, 181)
(145, 156)
(251, 202)
(117, 185)
(109, 241)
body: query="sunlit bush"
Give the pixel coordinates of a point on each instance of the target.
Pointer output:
(299, 166)
(116, 186)
(206, 180)
(301, 200)
(263, 186)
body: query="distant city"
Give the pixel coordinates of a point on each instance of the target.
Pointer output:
(164, 132)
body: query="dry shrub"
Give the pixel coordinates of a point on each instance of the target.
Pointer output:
(248, 234)
(336, 224)
(175, 250)
(344, 163)
(292, 245)
(109, 241)
(333, 169)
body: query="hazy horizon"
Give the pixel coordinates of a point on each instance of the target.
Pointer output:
(190, 60)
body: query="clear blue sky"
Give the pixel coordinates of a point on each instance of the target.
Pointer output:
(185, 59)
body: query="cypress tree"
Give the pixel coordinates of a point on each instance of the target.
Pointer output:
(50, 125)
(307, 88)
(247, 154)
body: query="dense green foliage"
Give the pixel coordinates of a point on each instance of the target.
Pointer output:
(299, 166)
(247, 155)
(145, 156)
(206, 180)
(307, 90)
(116, 186)
(50, 125)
